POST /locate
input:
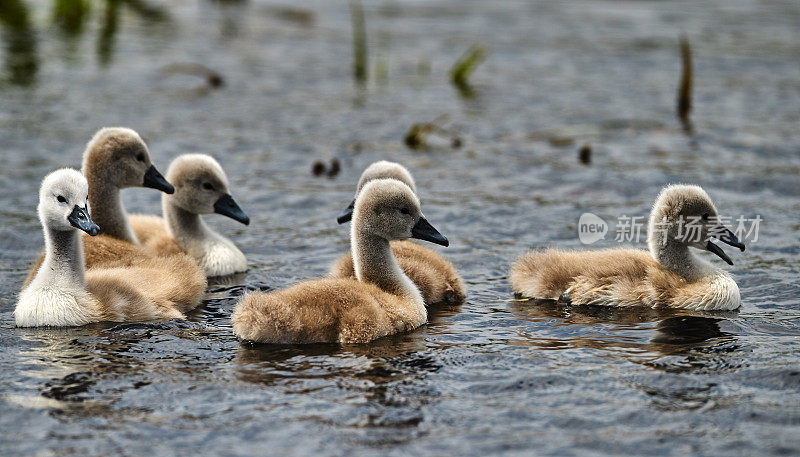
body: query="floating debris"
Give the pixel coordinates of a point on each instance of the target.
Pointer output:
(336, 167)
(417, 136)
(213, 79)
(464, 66)
(359, 42)
(318, 168)
(685, 87)
(585, 154)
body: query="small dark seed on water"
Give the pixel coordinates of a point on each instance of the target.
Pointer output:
(585, 154)
(335, 168)
(215, 80)
(318, 168)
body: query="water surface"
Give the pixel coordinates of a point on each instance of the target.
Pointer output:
(493, 376)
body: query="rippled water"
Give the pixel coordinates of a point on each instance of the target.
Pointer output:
(492, 376)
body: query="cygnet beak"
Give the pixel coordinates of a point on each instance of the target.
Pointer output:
(153, 179)
(79, 218)
(226, 206)
(347, 214)
(423, 230)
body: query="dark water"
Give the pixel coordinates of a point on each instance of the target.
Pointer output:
(494, 376)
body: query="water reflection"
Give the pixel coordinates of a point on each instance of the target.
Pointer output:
(231, 284)
(628, 331)
(265, 363)
(19, 39)
(105, 38)
(70, 17)
(687, 330)
(79, 367)
(584, 315)
(382, 385)
(68, 368)
(108, 31)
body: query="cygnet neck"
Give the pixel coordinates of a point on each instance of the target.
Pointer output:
(677, 257)
(63, 261)
(187, 228)
(375, 263)
(106, 206)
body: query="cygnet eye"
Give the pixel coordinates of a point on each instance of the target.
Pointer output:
(705, 216)
(208, 186)
(405, 211)
(140, 157)
(61, 199)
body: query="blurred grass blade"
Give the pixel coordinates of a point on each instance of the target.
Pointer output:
(108, 30)
(71, 15)
(19, 39)
(685, 87)
(359, 42)
(464, 66)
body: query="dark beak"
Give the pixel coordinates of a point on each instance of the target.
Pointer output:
(716, 250)
(226, 206)
(79, 218)
(726, 236)
(153, 179)
(723, 234)
(347, 214)
(423, 230)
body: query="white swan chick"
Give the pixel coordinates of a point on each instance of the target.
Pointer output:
(64, 293)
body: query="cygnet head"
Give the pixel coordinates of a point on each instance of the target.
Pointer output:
(201, 187)
(389, 209)
(685, 214)
(381, 169)
(119, 156)
(64, 202)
